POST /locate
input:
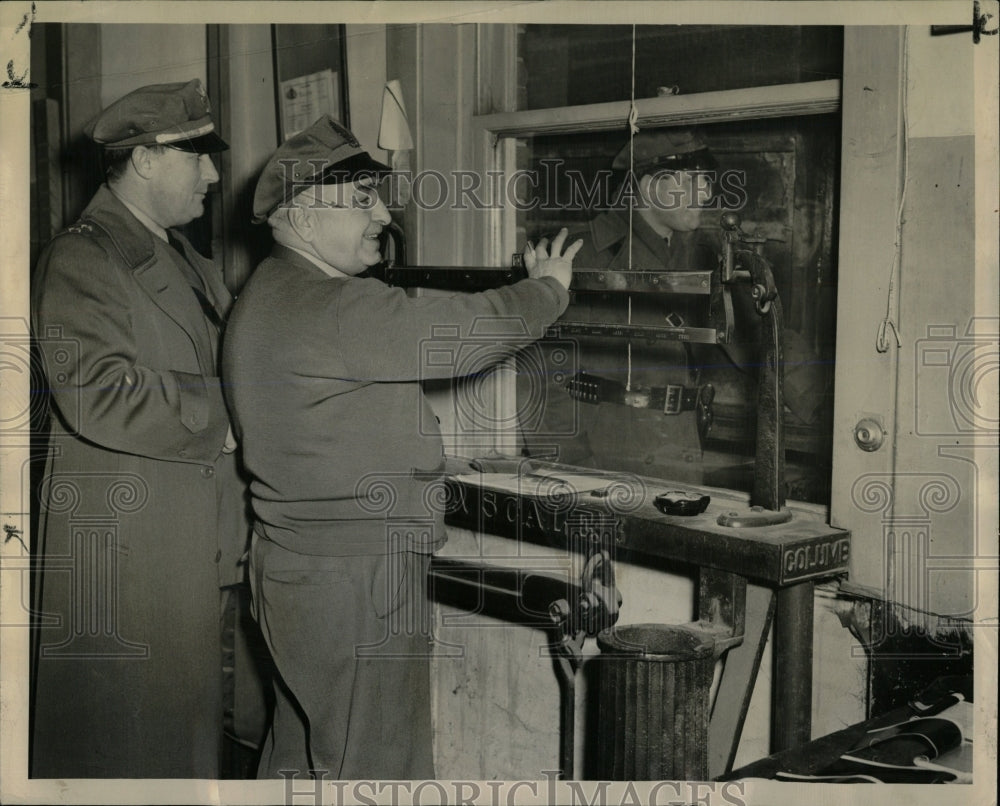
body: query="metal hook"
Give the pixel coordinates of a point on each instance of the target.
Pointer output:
(978, 26)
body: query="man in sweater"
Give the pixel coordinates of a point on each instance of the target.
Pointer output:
(322, 371)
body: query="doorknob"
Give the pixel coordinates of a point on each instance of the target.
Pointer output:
(869, 434)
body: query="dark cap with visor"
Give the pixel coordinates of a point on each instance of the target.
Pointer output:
(176, 115)
(670, 149)
(324, 154)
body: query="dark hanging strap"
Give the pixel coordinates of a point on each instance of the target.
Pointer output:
(195, 281)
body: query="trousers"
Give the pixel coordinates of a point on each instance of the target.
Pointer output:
(351, 641)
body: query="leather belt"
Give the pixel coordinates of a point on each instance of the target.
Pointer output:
(673, 398)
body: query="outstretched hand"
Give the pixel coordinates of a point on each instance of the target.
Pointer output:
(541, 261)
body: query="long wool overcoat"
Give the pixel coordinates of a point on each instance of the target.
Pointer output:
(141, 514)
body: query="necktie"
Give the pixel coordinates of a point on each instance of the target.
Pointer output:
(195, 281)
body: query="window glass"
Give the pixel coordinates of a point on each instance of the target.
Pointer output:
(780, 177)
(568, 65)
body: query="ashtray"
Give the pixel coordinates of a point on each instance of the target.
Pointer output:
(680, 502)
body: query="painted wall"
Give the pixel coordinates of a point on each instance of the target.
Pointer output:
(136, 55)
(944, 345)
(249, 123)
(366, 76)
(911, 505)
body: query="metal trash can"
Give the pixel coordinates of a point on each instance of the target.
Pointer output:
(654, 685)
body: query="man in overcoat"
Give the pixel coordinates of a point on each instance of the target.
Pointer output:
(141, 509)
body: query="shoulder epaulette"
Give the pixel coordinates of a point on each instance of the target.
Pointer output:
(83, 226)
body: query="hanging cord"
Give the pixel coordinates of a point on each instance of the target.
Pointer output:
(882, 342)
(633, 129)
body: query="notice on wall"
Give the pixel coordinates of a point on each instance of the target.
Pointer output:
(305, 98)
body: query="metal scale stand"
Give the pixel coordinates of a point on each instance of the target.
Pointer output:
(655, 679)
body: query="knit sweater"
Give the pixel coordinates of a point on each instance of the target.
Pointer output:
(322, 377)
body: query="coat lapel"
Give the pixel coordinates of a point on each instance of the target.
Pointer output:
(215, 288)
(649, 250)
(610, 231)
(154, 271)
(169, 290)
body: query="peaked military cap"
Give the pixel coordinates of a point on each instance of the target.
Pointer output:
(678, 149)
(176, 115)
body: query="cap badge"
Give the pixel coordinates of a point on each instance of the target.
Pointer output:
(343, 132)
(202, 95)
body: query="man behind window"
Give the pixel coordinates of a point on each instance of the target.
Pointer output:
(669, 181)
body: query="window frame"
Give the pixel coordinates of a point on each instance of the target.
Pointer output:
(494, 138)
(495, 134)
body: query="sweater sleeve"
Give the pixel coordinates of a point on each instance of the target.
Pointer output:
(387, 335)
(83, 326)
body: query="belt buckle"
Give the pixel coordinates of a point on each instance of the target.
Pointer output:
(703, 406)
(673, 399)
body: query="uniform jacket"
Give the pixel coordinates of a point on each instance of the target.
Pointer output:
(606, 245)
(614, 436)
(141, 515)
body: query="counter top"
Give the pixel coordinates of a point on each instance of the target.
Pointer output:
(573, 507)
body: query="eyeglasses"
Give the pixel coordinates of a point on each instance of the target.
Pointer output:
(364, 198)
